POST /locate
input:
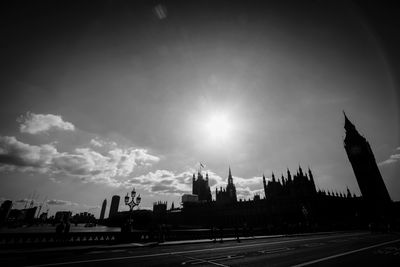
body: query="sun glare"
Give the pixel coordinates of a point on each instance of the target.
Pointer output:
(218, 127)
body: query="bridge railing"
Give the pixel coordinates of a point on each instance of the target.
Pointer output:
(53, 239)
(9, 240)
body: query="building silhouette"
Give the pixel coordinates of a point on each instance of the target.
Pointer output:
(362, 159)
(160, 207)
(227, 195)
(83, 217)
(62, 216)
(5, 211)
(201, 188)
(301, 185)
(291, 204)
(114, 206)
(103, 209)
(160, 211)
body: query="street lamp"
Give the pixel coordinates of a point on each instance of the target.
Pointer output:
(132, 203)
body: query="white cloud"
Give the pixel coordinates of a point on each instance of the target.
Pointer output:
(36, 123)
(14, 153)
(26, 201)
(169, 182)
(92, 165)
(254, 183)
(84, 163)
(245, 187)
(58, 202)
(392, 159)
(162, 181)
(96, 143)
(54, 180)
(72, 164)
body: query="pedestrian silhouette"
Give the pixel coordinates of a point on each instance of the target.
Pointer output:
(67, 227)
(59, 230)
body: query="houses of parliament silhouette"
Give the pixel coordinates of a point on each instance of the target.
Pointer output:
(294, 201)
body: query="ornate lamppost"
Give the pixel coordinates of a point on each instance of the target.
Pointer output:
(132, 203)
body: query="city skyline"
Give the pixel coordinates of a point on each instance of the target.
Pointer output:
(102, 101)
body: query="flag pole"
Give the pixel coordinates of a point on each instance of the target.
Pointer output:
(200, 166)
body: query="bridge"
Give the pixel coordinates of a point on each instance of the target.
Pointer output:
(10, 240)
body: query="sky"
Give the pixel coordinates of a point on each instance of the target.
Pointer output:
(99, 99)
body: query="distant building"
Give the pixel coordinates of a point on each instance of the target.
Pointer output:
(362, 159)
(188, 198)
(43, 216)
(62, 216)
(114, 206)
(201, 188)
(22, 216)
(83, 217)
(5, 210)
(227, 195)
(103, 209)
(159, 208)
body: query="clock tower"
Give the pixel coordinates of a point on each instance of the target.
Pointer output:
(362, 160)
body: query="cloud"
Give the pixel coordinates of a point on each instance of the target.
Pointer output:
(70, 164)
(96, 143)
(392, 159)
(250, 185)
(169, 182)
(36, 123)
(58, 202)
(25, 200)
(245, 187)
(246, 193)
(162, 181)
(94, 166)
(91, 207)
(55, 180)
(14, 153)
(254, 183)
(82, 162)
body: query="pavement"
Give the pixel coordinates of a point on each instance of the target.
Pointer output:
(327, 249)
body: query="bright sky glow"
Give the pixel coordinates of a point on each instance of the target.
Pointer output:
(218, 127)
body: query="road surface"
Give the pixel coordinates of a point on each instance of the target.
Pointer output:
(345, 249)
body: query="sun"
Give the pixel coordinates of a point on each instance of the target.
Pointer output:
(218, 127)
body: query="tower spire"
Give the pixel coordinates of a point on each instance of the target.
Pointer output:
(230, 179)
(348, 125)
(289, 176)
(265, 185)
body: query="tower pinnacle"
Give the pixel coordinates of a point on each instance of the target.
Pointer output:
(230, 179)
(348, 125)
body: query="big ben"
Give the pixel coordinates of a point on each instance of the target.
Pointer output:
(362, 159)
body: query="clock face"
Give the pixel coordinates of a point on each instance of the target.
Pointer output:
(355, 150)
